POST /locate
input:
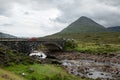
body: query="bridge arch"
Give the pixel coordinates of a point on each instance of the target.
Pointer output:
(52, 46)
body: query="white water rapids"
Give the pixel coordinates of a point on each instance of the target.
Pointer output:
(38, 54)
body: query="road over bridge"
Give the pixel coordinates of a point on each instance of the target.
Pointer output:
(26, 45)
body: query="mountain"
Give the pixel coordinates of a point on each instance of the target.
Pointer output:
(86, 30)
(84, 25)
(4, 35)
(114, 29)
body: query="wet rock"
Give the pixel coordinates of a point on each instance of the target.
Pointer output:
(72, 72)
(81, 70)
(111, 55)
(55, 62)
(90, 73)
(102, 73)
(51, 57)
(118, 72)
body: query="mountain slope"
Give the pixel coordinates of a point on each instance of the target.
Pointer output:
(86, 30)
(84, 24)
(114, 29)
(4, 35)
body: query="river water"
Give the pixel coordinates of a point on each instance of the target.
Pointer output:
(92, 69)
(38, 54)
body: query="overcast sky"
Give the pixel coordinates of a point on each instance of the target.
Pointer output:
(28, 18)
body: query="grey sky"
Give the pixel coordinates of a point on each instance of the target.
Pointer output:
(30, 18)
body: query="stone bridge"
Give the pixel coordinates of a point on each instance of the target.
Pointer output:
(26, 45)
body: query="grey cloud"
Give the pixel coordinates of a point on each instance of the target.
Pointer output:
(5, 5)
(111, 2)
(7, 24)
(71, 9)
(105, 12)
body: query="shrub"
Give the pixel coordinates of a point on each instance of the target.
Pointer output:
(70, 44)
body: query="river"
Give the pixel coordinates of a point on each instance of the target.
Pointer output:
(92, 69)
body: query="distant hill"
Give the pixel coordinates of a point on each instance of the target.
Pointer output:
(86, 30)
(114, 29)
(84, 25)
(4, 35)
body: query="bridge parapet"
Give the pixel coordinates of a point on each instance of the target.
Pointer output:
(13, 39)
(25, 44)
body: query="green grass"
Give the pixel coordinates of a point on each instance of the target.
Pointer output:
(105, 42)
(97, 48)
(92, 48)
(6, 75)
(105, 37)
(42, 72)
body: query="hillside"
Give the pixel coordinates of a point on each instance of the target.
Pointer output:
(114, 29)
(86, 30)
(84, 24)
(105, 37)
(4, 35)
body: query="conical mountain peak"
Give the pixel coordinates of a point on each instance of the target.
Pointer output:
(83, 17)
(84, 24)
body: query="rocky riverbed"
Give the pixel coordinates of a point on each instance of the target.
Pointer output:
(105, 66)
(112, 57)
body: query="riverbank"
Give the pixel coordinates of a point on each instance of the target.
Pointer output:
(42, 72)
(111, 57)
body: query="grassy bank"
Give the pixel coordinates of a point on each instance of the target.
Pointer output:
(6, 75)
(92, 48)
(94, 43)
(97, 48)
(42, 72)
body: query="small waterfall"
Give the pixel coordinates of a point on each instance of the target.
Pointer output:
(38, 54)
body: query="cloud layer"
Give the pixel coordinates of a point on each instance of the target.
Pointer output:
(28, 18)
